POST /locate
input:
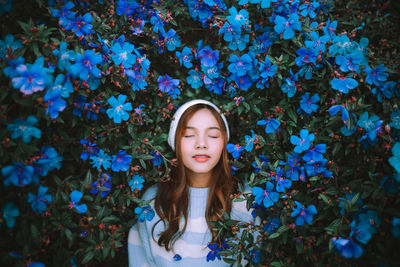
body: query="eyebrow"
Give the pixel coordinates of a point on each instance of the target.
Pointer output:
(209, 128)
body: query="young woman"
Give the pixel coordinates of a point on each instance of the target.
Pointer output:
(201, 186)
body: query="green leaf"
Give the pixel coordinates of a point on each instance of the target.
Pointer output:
(274, 235)
(292, 115)
(88, 257)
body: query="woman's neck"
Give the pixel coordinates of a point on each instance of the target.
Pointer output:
(199, 180)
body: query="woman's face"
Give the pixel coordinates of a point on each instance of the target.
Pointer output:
(201, 143)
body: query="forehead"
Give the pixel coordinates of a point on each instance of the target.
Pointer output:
(202, 118)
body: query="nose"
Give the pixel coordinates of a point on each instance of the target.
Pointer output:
(201, 142)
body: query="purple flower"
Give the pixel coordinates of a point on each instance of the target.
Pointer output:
(344, 84)
(136, 182)
(144, 213)
(41, 200)
(304, 142)
(119, 108)
(267, 196)
(303, 214)
(286, 26)
(75, 198)
(347, 247)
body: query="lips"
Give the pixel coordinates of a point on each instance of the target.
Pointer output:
(201, 157)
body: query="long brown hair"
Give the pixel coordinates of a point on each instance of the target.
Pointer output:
(172, 198)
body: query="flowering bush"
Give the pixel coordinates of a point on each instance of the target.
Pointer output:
(310, 89)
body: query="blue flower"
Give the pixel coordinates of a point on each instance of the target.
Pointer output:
(36, 264)
(41, 200)
(308, 105)
(118, 110)
(30, 78)
(371, 124)
(25, 129)
(101, 186)
(364, 226)
(289, 86)
(271, 225)
(335, 109)
(267, 69)
(185, 57)
(343, 84)
(395, 159)
(213, 253)
(249, 141)
(177, 257)
(64, 85)
(281, 183)
(236, 150)
(350, 62)
(255, 255)
(347, 247)
(75, 198)
(267, 196)
(17, 174)
(243, 82)
(238, 19)
(395, 119)
(8, 45)
(136, 182)
(5, 6)
(239, 42)
(64, 56)
(330, 28)
(386, 90)
(304, 142)
(317, 44)
(390, 184)
(48, 161)
(11, 71)
(314, 168)
(271, 124)
(89, 149)
(126, 7)
(286, 26)
(81, 25)
(240, 66)
(263, 162)
(10, 211)
(208, 57)
(168, 85)
(376, 76)
(308, 9)
(306, 56)
(86, 64)
(341, 44)
(396, 227)
(145, 213)
(265, 3)
(54, 102)
(100, 160)
(121, 161)
(158, 159)
(194, 79)
(123, 54)
(303, 214)
(315, 153)
(172, 40)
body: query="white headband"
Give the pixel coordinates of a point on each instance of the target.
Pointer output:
(178, 114)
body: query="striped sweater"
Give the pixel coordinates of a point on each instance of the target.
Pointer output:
(191, 246)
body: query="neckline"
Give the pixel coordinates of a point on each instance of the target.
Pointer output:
(198, 191)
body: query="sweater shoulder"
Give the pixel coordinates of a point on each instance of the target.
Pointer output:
(150, 193)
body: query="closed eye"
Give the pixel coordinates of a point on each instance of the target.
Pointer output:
(186, 136)
(213, 136)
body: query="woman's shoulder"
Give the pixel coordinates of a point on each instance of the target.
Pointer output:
(150, 193)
